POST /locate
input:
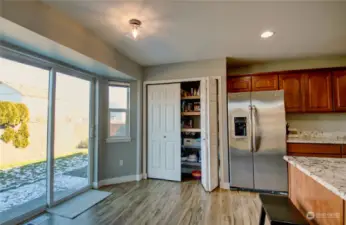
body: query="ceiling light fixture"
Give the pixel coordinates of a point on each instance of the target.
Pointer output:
(135, 24)
(267, 34)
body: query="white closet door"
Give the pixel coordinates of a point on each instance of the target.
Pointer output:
(164, 141)
(213, 134)
(209, 134)
(204, 133)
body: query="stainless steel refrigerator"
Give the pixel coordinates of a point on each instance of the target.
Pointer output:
(257, 140)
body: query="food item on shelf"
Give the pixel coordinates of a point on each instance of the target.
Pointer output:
(192, 158)
(197, 174)
(196, 106)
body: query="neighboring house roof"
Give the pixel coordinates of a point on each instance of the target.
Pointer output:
(27, 91)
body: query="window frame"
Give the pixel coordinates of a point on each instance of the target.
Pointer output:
(127, 137)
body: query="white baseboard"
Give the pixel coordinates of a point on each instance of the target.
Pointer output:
(139, 177)
(95, 185)
(224, 185)
(117, 180)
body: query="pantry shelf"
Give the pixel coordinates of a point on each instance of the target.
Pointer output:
(186, 163)
(190, 97)
(190, 130)
(191, 113)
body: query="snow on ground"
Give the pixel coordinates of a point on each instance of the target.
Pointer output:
(19, 176)
(29, 192)
(23, 184)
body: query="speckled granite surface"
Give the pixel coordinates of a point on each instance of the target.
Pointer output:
(320, 140)
(329, 172)
(317, 137)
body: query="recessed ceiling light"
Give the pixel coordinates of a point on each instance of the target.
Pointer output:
(267, 34)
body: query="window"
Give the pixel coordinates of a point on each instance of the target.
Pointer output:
(119, 118)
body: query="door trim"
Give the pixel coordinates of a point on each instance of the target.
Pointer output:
(223, 144)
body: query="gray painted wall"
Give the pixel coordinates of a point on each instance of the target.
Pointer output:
(203, 68)
(111, 153)
(297, 64)
(59, 27)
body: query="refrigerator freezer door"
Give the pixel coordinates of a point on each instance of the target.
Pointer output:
(269, 129)
(239, 127)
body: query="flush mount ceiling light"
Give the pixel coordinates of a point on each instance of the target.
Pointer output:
(135, 25)
(267, 34)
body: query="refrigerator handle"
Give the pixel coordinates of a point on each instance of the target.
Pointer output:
(250, 128)
(254, 128)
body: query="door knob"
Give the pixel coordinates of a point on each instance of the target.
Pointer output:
(164, 136)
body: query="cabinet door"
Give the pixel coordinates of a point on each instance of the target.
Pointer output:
(339, 87)
(318, 92)
(306, 148)
(292, 85)
(239, 84)
(315, 155)
(265, 83)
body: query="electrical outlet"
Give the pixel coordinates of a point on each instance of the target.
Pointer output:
(121, 162)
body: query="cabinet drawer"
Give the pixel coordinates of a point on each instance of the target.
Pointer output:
(313, 148)
(315, 155)
(265, 83)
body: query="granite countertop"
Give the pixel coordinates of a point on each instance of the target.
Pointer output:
(316, 140)
(329, 172)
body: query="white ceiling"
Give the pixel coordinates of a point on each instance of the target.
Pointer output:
(189, 30)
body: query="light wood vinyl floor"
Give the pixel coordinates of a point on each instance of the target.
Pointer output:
(168, 203)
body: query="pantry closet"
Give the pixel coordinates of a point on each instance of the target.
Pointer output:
(182, 131)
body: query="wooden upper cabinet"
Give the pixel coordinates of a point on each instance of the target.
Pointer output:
(239, 84)
(339, 88)
(265, 82)
(292, 85)
(318, 92)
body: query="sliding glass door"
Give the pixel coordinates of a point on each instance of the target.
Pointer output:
(23, 138)
(46, 118)
(71, 140)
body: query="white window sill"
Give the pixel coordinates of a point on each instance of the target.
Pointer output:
(118, 139)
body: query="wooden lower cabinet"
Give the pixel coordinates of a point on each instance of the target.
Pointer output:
(310, 196)
(314, 149)
(316, 155)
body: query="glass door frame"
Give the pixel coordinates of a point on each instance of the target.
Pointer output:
(18, 54)
(51, 136)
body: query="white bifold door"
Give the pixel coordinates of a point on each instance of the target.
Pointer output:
(164, 140)
(209, 134)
